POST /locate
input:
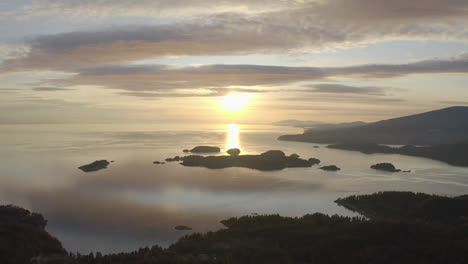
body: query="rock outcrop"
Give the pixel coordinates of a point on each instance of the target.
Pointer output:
(95, 166)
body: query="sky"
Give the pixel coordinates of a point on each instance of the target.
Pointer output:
(226, 61)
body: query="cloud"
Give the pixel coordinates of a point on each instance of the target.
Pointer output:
(292, 26)
(8, 90)
(13, 51)
(213, 80)
(166, 78)
(454, 102)
(344, 9)
(212, 92)
(346, 89)
(148, 8)
(363, 100)
(49, 89)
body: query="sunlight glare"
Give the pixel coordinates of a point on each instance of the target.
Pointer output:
(233, 136)
(235, 101)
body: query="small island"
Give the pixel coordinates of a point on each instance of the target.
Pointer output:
(385, 167)
(204, 149)
(330, 168)
(176, 158)
(314, 161)
(270, 160)
(95, 166)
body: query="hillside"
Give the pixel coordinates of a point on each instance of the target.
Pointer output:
(444, 126)
(23, 236)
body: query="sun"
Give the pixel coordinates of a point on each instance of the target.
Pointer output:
(235, 101)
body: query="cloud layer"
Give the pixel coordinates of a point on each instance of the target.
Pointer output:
(289, 26)
(218, 80)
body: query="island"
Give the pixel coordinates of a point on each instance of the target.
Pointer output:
(454, 154)
(385, 167)
(95, 166)
(176, 158)
(314, 161)
(398, 227)
(330, 168)
(204, 149)
(270, 160)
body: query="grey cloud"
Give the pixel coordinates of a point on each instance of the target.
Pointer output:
(297, 27)
(212, 92)
(367, 100)
(49, 89)
(458, 64)
(346, 9)
(148, 8)
(169, 79)
(8, 90)
(454, 102)
(158, 78)
(395, 10)
(346, 89)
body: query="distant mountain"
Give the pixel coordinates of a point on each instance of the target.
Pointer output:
(445, 126)
(297, 123)
(315, 125)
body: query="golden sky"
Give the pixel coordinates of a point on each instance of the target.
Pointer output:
(255, 61)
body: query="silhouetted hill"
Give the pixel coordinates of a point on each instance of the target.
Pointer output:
(409, 205)
(449, 125)
(23, 236)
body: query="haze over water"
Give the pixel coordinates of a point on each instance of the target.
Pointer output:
(135, 203)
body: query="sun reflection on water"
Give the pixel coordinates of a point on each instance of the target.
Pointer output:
(233, 136)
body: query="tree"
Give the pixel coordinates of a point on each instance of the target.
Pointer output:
(233, 152)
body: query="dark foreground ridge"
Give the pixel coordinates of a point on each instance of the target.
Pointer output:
(401, 227)
(444, 126)
(270, 160)
(23, 236)
(454, 154)
(95, 166)
(409, 205)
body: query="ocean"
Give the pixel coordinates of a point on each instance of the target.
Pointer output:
(135, 203)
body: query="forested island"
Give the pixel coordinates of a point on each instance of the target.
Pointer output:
(399, 227)
(270, 160)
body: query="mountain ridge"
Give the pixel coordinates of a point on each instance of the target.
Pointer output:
(443, 126)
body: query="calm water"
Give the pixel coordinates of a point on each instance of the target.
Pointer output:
(135, 203)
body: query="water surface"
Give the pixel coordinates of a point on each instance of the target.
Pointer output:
(135, 203)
